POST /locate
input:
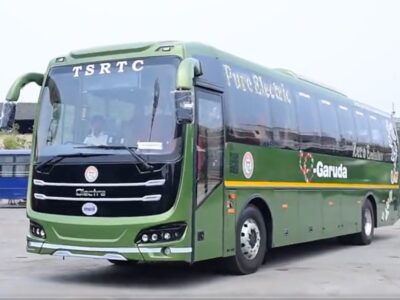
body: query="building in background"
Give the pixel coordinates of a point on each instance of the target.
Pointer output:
(24, 117)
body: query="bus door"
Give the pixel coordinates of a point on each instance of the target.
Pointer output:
(209, 143)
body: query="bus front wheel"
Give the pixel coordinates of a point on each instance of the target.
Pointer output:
(251, 243)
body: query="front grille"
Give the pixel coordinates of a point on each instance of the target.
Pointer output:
(120, 190)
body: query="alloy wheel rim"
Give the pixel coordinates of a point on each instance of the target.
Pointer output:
(250, 239)
(367, 222)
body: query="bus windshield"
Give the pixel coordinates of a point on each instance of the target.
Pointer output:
(128, 103)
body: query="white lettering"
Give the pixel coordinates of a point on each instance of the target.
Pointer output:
(249, 84)
(121, 65)
(89, 70)
(329, 171)
(105, 68)
(76, 70)
(228, 74)
(137, 65)
(254, 83)
(257, 86)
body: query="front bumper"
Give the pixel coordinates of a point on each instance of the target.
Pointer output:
(137, 252)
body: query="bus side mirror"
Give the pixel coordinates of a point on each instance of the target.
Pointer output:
(184, 107)
(7, 116)
(8, 110)
(188, 70)
(15, 89)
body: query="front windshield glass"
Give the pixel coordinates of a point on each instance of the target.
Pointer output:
(112, 103)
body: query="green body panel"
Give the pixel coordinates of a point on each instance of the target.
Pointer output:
(209, 221)
(273, 164)
(312, 213)
(299, 214)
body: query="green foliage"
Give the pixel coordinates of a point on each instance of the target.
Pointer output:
(12, 142)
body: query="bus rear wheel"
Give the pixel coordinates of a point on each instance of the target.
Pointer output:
(367, 225)
(251, 243)
(365, 236)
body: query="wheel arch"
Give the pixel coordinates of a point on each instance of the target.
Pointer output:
(259, 202)
(372, 198)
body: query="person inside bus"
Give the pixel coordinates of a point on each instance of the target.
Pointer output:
(140, 130)
(96, 136)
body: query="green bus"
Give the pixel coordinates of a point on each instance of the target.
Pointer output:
(173, 151)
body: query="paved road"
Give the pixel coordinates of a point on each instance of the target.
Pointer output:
(314, 269)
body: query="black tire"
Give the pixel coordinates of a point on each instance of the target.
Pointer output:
(123, 262)
(242, 263)
(365, 236)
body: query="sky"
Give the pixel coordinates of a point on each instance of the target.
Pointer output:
(353, 45)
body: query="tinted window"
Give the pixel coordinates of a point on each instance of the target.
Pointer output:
(284, 124)
(211, 70)
(363, 135)
(249, 118)
(347, 129)
(209, 146)
(329, 125)
(377, 131)
(308, 120)
(390, 143)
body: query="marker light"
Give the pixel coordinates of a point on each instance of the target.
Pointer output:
(145, 238)
(154, 237)
(167, 236)
(162, 233)
(37, 230)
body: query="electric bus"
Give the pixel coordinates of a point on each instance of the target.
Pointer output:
(178, 151)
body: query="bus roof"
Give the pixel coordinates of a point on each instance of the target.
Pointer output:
(184, 49)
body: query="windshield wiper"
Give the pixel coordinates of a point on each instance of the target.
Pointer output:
(131, 150)
(55, 159)
(156, 97)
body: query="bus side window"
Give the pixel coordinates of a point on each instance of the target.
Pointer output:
(7, 164)
(377, 132)
(386, 147)
(347, 129)
(329, 126)
(248, 119)
(21, 166)
(362, 126)
(209, 144)
(284, 124)
(308, 121)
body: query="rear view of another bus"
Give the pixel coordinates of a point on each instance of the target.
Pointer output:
(14, 171)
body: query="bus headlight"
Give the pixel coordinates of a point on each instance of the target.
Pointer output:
(37, 230)
(163, 233)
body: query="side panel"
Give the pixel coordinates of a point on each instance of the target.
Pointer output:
(351, 202)
(308, 210)
(332, 213)
(284, 206)
(209, 222)
(310, 214)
